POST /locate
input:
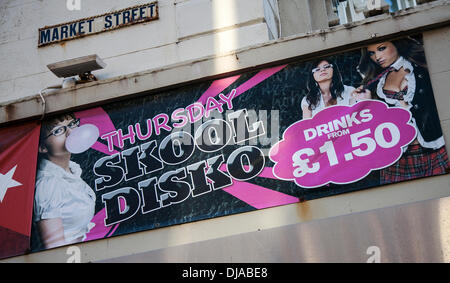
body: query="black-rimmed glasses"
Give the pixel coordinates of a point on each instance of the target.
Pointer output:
(63, 129)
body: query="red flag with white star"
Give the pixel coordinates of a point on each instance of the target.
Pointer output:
(18, 161)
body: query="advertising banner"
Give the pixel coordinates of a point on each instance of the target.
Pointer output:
(18, 155)
(260, 139)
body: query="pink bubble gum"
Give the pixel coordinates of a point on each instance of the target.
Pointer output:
(82, 138)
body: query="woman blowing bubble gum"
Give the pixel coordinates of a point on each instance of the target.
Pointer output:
(396, 72)
(64, 204)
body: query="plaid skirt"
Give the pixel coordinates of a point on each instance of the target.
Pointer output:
(416, 162)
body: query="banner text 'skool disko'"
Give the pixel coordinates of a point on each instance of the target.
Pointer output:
(256, 140)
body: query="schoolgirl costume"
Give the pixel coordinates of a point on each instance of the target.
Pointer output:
(60, 194)
(343, 100)
(429, 156)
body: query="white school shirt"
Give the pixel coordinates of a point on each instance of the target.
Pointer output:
(60, 194)
(344, 100)
(408, 98)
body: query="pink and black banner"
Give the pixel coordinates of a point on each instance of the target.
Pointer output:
(264, 138)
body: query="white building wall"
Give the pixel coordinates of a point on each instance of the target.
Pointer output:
(186, 30)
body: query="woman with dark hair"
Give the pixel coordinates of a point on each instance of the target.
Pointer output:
(396, 72)
(64, 203)
(325, 88)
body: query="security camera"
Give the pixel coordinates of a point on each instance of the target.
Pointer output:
(82, 67)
